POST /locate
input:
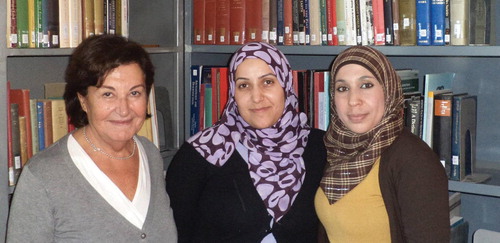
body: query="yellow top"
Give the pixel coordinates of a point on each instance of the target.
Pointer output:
(360, 216)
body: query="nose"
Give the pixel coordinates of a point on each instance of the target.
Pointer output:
(123, 107)
(257, 94)
(354, 97)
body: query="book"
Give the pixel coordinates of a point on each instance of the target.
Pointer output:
(222, 23)
(31, 24)
(423, 22)
(34, 126)
(341, 22)
(210, 21)
(459, 20)
(195, 100)
(315, 22)
(459, 231)
(463, 148)
(47, 123)
(395, 23)
(98, 17)
(198, 22)
(388, 22)
(307, 22)
(64, 27)
(12, 39)
(50, 23)
(432, 82)
(16, 163)
(428, 133)
(273, 22)
(22, 98)
(124, 20)
(287, 22)
(409, 80)
(88, 18)
(302, 22)
(237, 20)
(54, 90)
(59, 119)
(350, 22)
(295, 21)
(438, 10)
(22, 21)
(480, 22)
(323, 22)
(407, 22)
(378, 22)
(266, 18)
(413, 112)
(280, 18)
(22, 140)
(75, 22)
(331, 16)
(442, 126)
(40, 125)
(149, 128)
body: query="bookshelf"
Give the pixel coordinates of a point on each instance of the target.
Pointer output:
(475, 66)
(158, 25)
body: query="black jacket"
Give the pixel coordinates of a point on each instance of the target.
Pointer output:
(221, 204)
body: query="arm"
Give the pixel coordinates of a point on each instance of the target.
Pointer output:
(185, 183)
(30, 217)
(422, 195)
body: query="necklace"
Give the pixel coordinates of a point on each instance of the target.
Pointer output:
(95, 148)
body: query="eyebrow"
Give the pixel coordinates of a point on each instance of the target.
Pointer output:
(262, 76)
(134, 87)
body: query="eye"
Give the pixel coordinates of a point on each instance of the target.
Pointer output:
(107, 94)
(135, 93)
(268, 81)
(367, 85)
(242, 86)
(341, 88)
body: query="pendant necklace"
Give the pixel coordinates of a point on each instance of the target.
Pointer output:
(95, 148)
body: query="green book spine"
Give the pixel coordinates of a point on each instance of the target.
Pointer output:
(22, 23)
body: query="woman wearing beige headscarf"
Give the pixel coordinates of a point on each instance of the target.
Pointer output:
(381, 183)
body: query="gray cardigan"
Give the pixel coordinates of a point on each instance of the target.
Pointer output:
(53, 202)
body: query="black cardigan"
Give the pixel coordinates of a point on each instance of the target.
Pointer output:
(221, 204)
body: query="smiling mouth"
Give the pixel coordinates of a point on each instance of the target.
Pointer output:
(357, 118)
(258, 110)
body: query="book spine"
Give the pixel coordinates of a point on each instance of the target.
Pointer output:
(210, 21)
(388, 22)
(64, 28)
(222, 23)
(302, 28)
(34, 126)
(295, 21)
(198, 22)
(12, 24)
(455, 140)
(41, 125)
(16, 141)
(315, 22)
(22, 140)
(287, 22)
(88, 18)
(442, 134)
(280, 28)
(237, 26)
(395, 23)
(423, 22)
(75, 22)
(407, 20)
(98, 17)
(437, 22)
(59, 119)
(273, 22)
(307, 22)
(341, 22)
(265, 20)
(332, 35)
(22, 23)
(323, 23)
(459, 20)
(47, 117)
(195, 93)
(31, 23)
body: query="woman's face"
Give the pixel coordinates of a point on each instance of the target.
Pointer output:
(117, 110)
(359, 98)
(258, 93)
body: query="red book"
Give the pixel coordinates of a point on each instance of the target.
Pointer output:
(317, 89)
(224, 88)
(22, 98)
(215, 94)
(222, 23)
(378, 22)
(331, 15)
(288, 22)
(237, 20)
(198, 22)
(210, 20)
(253, 20)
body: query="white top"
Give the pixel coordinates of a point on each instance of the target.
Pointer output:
(134, 211)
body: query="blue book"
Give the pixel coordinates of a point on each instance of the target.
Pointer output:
(41, 132)
(307, 26)
(423, 22)
(195, 102)
(463, 146)
(438, 14)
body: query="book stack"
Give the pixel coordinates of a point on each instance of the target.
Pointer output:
(63, 23)
(343, 22)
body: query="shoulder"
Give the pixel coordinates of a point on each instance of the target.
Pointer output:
(316, 137)
(51, 158)
(410, 152)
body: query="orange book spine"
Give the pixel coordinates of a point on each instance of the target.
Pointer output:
(198, 22)
(253, 20)
(210, 21)
(222, 23)
(288, 22)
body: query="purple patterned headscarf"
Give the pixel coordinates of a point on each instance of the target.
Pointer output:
(275, 153)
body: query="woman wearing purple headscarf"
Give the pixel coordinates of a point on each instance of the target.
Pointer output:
(252, 176)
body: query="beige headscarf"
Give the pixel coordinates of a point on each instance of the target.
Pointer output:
(351, 155)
